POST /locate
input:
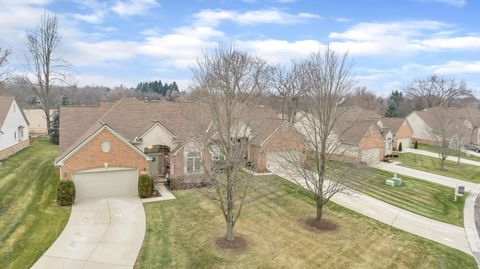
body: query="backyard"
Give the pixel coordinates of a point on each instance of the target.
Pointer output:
(432, 165)
(418, 196)
(30, 218)
(181, 234)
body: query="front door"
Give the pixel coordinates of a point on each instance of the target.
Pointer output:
(154, 165)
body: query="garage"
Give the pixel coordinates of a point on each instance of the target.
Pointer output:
(105, 182)
(405, 143)
(275, 159)
(370, 156)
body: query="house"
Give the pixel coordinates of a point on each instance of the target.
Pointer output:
(38, 121)
(423, 122)
(402, 132)
(14, 133)
(357, 136)
(104, 148)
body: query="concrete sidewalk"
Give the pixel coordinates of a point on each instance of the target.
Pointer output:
(446, 234)
(442, 180)
(435, 155)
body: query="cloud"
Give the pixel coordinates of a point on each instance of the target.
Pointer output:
(182, 47)
(263, 16)
(133, 7)
(456, 3)
(280, 51)
(456, 67)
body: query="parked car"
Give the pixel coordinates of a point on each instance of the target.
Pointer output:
(474, 147)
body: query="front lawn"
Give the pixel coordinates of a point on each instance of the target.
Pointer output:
(181, 234)
(465, 172)
(454, 153)
(418, 196)
(30, 219)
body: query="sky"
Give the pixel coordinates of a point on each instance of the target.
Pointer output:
(125, 42)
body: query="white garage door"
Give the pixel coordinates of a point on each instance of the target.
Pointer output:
(280, 159)
(103, 183)
(370, 156)
(405, 143)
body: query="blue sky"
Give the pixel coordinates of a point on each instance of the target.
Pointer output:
(128, 41)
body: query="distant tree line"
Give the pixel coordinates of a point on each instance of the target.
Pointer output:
(158, 87)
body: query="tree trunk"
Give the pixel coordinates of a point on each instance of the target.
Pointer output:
(47, 115)
(230, 230)
(319, 210)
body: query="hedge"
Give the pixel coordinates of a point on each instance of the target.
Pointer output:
(65, 193)
(145, 186)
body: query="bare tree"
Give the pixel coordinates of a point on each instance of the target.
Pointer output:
(42, 63)
(290, 85)
(330, 81)
(438, 90)
(442, 131)
(365, 99)
(4, 53)
(231, 81)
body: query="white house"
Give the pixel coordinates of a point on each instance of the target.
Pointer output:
(13, 127)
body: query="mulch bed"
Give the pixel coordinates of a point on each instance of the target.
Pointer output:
(313, 225)
(239, 243)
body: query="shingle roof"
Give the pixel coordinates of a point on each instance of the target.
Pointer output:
(354, 123)
(430, 115)
(393, 124)
(5, 104)
(131, 118)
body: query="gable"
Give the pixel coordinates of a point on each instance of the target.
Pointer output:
(372, 139)
(92, 145)
(157, 135)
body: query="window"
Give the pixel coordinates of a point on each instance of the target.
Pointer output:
(193, 162)
(20, 132)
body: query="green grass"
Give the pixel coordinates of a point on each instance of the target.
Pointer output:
(181, 234)
(418, 196)
(453, 153)
(464, 172)
(30, 219)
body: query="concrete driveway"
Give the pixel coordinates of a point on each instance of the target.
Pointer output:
(101, 233)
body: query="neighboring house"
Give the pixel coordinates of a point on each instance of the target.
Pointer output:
(357, 136)
(423, 121)
(104, 148)
(14, 134)
(402, 132)
(38, 121)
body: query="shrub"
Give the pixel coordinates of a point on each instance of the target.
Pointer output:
(145, 186)
(415, 146)
(65, 193)
(176, 183)
(400, 146)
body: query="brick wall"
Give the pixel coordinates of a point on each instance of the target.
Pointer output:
(373, 139)
(405, 131)
(91, 156)
(12, 149)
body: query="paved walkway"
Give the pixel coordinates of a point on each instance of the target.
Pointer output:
(101, 233)
(442, 180)
(435, 155)
(447, 234)
(165, 195)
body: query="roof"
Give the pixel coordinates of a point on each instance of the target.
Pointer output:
(131, 118)
(393, 124)
(429, 116)
(5, 104)
(354, 123)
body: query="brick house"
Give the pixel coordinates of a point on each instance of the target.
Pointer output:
(104, 148)
(357, 136)
(14, 132)
(402, 131)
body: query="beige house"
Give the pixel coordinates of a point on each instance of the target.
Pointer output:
(401, 132)
(421, 123)
(38, 120)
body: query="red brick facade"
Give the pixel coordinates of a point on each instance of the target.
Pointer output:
(405, 131)
(12, 149)
(286, 138)
(372, 139)
(91, 156)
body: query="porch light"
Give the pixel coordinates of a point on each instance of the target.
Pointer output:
(105, 164)
(150, 147)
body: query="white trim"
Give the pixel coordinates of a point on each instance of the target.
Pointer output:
(86, 141)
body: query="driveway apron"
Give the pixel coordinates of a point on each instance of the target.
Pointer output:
(101, 233)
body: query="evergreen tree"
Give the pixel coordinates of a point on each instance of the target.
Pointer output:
(54, 127)
(65, 101)
(392, 110)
